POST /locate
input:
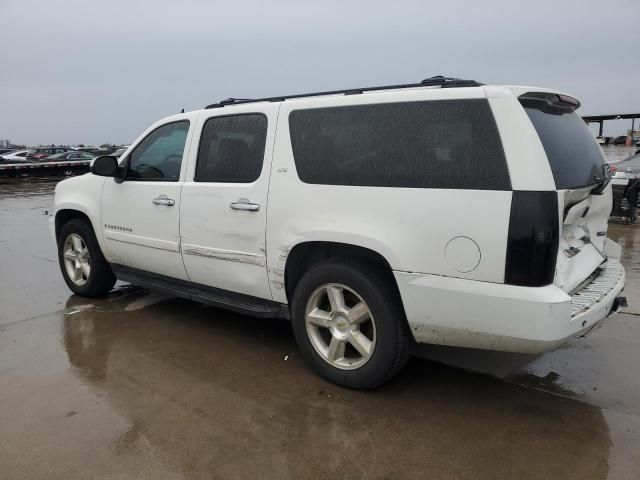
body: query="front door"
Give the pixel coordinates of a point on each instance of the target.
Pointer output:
(140, 216)
(223, 210)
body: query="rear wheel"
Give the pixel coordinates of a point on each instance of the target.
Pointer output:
(84, 268)
(349, 323)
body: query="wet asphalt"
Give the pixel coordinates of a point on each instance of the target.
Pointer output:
(617, 153)
(141, 385)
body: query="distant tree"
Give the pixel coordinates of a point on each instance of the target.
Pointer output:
(81, 145)
(105, 145)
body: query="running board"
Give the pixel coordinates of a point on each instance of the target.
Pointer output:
(237, 302)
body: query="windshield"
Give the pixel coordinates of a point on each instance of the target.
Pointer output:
(576, 159)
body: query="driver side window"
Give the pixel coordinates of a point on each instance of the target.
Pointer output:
(159, 155)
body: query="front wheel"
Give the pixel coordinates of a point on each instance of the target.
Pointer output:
(349, 323)
(84, 268)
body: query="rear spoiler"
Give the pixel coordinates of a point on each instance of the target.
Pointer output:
(557, 100)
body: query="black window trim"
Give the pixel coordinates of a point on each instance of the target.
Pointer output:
(125, 163)
(195, 169)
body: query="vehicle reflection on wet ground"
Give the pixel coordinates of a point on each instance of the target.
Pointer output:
(147, 386)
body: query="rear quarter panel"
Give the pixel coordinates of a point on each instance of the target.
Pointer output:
(410, 227)
(526, 159)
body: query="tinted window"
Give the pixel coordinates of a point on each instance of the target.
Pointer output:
(439, 144)
(159, 155)
(232, 149)
(576, 159)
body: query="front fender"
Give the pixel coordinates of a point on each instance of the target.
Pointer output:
(82, 194)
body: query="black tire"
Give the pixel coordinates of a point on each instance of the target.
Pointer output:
(101, 278)
(376, 289)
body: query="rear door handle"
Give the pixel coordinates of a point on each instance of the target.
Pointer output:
(164, 200)
(244, 204)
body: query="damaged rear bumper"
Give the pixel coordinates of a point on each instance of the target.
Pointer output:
(468, 313)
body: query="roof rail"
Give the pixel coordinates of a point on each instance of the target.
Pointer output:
(438, 80)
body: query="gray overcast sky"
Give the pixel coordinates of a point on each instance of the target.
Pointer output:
(87, 71)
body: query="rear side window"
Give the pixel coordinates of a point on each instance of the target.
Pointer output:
(575, 158)
(432, 144)
(232, 149)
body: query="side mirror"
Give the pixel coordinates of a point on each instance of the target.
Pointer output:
(104, 166)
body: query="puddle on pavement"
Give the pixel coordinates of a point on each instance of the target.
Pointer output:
(628, 236)
(27, 187)
(179, 390)
(616, 153)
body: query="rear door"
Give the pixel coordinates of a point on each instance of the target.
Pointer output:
(578, 168)
(224, 199)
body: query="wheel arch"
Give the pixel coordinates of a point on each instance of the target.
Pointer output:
(305, 255)
(64, 215)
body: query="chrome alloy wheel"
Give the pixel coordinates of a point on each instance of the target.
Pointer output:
(76, 259)
(340, 326)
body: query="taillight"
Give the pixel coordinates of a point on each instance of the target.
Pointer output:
(532, 245)
(569, 101)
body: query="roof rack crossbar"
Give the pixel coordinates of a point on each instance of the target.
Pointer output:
(438, 80)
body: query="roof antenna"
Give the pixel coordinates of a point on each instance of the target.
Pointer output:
(182, 111)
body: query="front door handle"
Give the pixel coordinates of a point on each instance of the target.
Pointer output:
(245, 204)
(164, 200)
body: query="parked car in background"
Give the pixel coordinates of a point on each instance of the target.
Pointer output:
(118, 153)
(97, 151)
(16, 156)
(71, 156)
(44, 152)
(621, 140)
(328, 210)
(626, 186)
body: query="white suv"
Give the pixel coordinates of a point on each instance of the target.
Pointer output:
(445, 212)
